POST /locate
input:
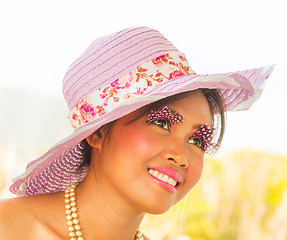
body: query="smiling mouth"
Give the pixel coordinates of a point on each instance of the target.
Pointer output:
(163, 177)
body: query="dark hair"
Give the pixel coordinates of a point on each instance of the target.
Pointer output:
(215, 102)
(217, 108)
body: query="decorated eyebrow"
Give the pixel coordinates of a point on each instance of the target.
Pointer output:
(172, 116)
(206, 133)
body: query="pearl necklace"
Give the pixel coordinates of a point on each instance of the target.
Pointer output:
(73, 222)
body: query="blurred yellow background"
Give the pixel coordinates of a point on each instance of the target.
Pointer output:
(242, 196)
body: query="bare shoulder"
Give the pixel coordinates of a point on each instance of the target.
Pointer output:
(19, 214)
(13, 220)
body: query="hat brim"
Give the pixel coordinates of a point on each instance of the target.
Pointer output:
(61, 165)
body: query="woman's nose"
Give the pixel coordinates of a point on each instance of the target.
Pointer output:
(176, 155)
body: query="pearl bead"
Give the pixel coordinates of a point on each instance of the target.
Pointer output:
(69, 223)
(74, 209)
(74, 215)
(79, 233)
(67, 206)
(139, 234)
(77, 227)
(71, 228)
(75, 221)
(80, 238)
(72, 234)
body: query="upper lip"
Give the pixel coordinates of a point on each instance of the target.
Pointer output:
(169, 172)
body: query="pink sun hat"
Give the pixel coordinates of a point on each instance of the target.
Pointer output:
(115, 76)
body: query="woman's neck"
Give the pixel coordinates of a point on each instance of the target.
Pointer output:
(104, 213)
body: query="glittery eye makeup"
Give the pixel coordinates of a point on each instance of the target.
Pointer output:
(205, 133)
(172, 116)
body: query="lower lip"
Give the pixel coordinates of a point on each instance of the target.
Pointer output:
(167, 186)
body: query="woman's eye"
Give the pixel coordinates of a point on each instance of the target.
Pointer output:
(163, 123)
(197, 141)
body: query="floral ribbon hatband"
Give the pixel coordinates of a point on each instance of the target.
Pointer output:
(137, 82)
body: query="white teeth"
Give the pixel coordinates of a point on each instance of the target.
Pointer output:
(170, 181)
(174, 182)
(163, 177)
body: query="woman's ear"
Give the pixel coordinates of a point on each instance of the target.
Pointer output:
(97, 139)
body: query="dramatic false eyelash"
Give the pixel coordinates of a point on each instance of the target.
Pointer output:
(206, 134)
(172, 116)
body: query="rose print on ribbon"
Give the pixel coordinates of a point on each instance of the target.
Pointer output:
(124, 82)
(87, 112)
(175, 74)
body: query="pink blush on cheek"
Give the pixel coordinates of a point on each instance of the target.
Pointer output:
(138, 140)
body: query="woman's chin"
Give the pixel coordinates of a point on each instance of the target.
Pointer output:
(157, 208)
(158, 211)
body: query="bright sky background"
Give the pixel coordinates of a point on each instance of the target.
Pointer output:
(40, 39)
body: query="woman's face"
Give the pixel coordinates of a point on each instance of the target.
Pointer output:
(135, 153)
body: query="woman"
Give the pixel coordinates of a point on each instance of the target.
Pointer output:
(143, 121)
